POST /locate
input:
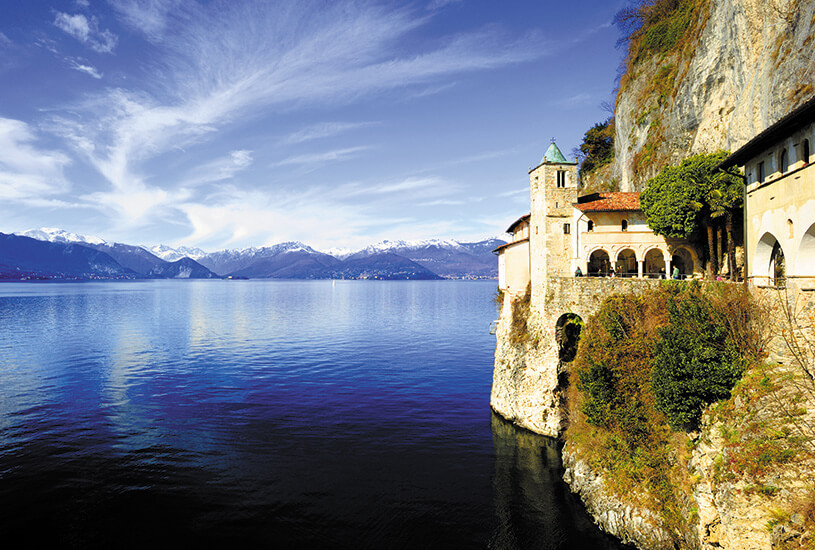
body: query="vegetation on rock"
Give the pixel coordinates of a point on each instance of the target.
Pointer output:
(597, 148)
(656, 27)
(623, 402)
(696, 361)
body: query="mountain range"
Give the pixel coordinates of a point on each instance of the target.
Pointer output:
(49, 253)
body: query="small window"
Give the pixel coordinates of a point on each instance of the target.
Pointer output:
(805, 151)
(561, 178)
(760, 177)
(566, 229)
(783, 163)
(624, 225)
(591, 226)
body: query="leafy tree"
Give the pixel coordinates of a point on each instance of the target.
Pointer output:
(683, 200)
(597, 148)
(696, 360)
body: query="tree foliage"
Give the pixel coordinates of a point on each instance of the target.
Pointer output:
(597, 148)
(696, 361)
(683, 200)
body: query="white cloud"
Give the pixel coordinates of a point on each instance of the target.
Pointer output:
(219, 64)
(220, 169)
(87, 69)
(27, 171)
(322, 158)
(324, 130)
(86, 31)
(150, 17)
(82, 3)
(437, 4)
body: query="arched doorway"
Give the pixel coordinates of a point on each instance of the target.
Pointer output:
(769, 260)
(598, 263)
(567, 334)
(778, 268)
(682, 260)
(805, 264)
(626, 264)
(654, 263)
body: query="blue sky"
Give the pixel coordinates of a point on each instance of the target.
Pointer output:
(248, 123)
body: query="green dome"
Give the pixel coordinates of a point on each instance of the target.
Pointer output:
(553, 154)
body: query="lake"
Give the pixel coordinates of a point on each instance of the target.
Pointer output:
(293, 414)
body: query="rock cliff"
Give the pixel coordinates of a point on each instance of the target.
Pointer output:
(525, 387)
(748, 63)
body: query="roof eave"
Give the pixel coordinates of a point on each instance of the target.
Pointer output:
(791, 122)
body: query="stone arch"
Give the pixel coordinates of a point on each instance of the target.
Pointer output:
(655, 263)
(567, 334)
(683, 259)
(769, 259)
(805, 262)
(598, 263)
(626, 263)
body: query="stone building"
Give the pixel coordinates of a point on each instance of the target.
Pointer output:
(611, 232)
(599, 233)
(779, 206)
(515, 254)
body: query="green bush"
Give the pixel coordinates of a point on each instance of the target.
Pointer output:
(696, 361)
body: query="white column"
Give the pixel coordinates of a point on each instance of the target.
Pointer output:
(640, 268)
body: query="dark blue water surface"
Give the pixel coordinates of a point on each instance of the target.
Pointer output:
(267, 413)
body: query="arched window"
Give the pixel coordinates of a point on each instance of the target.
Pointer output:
(783, 161)
(805, 151)
(591, 226)
(624, 225)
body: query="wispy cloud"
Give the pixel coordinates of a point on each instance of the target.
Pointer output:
(149, 17)
(218, 65)
(28, 171)
(86, 30)
(83, 68)
(324, 130)
(438, 4)
(220, 169)
(322, 158)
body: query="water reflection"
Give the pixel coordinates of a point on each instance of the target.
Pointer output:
(535, 508)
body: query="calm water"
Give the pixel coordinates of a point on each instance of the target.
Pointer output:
(285, 414)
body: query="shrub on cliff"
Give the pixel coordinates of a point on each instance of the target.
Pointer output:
(597, 148)
(696, 361)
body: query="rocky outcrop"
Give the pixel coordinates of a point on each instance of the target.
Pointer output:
(622, 518)
(525, 385)
(750, 64)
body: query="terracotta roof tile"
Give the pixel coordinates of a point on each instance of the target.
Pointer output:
(608, 202)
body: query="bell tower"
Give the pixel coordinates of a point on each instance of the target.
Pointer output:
(553, 189)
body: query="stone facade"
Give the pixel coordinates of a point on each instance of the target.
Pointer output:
(513, 258)
(779, 170)
(553, 191)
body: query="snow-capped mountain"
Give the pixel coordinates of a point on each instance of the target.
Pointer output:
(426, 258)
(56, 235)
(174, 254)
(224, 262)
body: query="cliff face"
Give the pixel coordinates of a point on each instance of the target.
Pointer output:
(525, 386)
(749, 64)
